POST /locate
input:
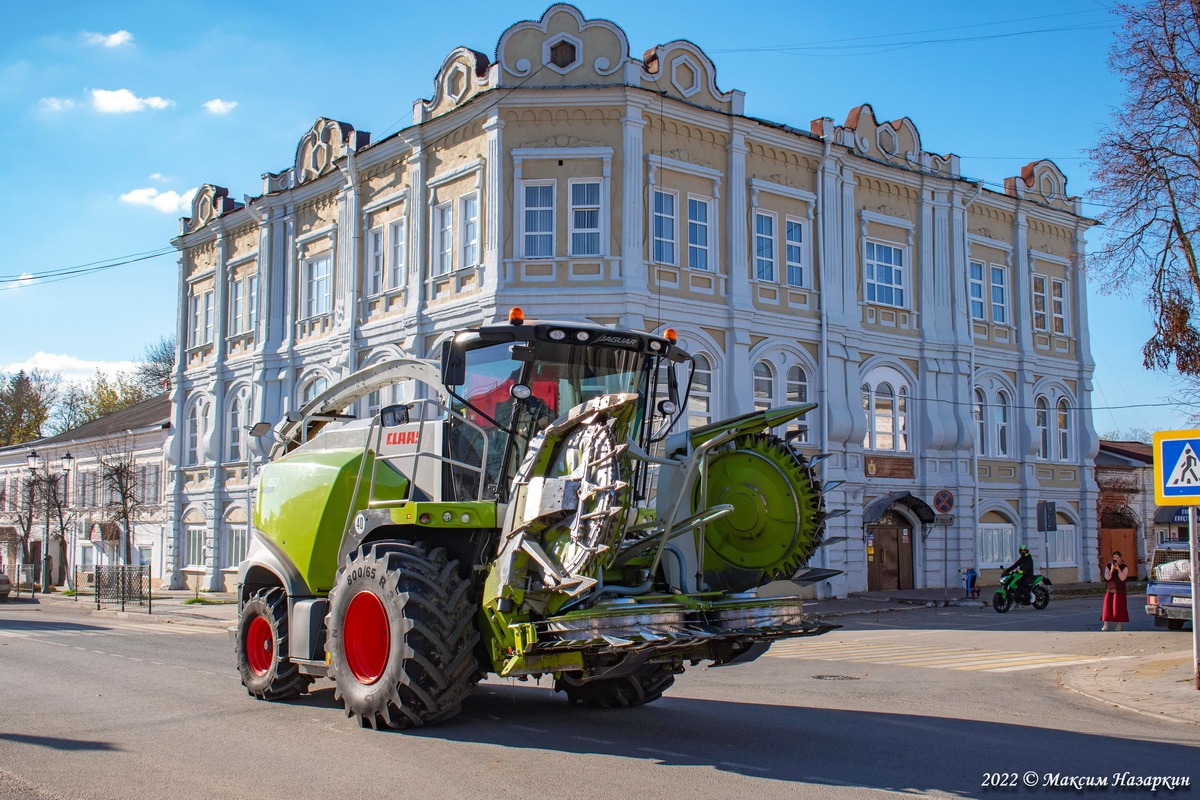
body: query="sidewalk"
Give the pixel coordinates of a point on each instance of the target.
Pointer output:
(1162, 688)
(216, 610)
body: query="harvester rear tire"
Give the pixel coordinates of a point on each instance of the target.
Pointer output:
(401, 636)
(262, 648)
(642, 687)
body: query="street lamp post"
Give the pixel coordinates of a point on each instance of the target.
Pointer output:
(49, 484)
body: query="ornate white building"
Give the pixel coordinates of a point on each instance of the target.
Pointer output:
(942, 326)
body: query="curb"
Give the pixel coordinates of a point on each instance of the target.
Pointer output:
(212, 624)
(1123, 707)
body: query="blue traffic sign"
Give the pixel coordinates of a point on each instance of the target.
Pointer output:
(1177, 467)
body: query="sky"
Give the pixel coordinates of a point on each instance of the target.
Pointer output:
(115, 112)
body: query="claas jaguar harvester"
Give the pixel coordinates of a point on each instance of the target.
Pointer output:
(526, 511)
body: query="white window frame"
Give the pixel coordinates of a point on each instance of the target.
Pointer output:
(700, 410)
(195, 537)
(1042, 294)
(235, 433)
(470, 237)
(707, 248)
(443, 238)
(766, 267)
(979, 412)
(550, 235)
(1060, 547)
(237, 300)
(794, 267)
(763, 377)
(237, 538)
(308, 392)
(195, 429)
(997, 544)
(796, 392)
(598, 207)
(398, 241)
(1041, 422)
(872, 266)
(208, 317)
(373, 280)
(1058, 307)
(194, 309)
(998, 294)
(976, 300)
(318, 285)
(662, 249)
(1063, 429)
(898, 418)
(252, 301)
(1001, 427)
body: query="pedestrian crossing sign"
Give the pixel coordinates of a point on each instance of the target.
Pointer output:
(1177, 468)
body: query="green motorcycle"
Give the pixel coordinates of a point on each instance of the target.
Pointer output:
(1009, 594)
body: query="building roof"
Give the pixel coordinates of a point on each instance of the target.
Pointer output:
(1135, 451)
(152, 413)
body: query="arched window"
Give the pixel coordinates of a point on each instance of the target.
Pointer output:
(699, 410)
(1064, 430)
(235, 432)
(1000, 421)
(764, 386)
(797, 392)
(197, 424)
(1042, 422)
(979, 412)
(886, 407)
(312, 389)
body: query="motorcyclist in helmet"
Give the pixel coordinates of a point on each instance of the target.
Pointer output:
(1023, 565)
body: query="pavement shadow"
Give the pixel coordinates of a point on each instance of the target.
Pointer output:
(907, 753)
(56, 743)
(46, 625)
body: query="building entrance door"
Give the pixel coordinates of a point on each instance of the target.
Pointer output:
(1123, 540)
(889, 554)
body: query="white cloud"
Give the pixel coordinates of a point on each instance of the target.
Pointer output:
(158, 176)
(166, 202)
(219, 106)
(76, 370)
(123, 101)
(25, 279)
(56, 103)
(109, 40)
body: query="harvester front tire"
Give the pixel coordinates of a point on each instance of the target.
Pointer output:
(401, 636)
(642, 687)
(262, 648)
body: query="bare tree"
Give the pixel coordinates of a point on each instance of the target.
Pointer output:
(124, 491)
(1147, 165)
(21, 517)
(40, 498)
(26, 402)
(154, 371)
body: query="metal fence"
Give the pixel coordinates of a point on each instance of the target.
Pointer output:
(22, 578)
(124, 585)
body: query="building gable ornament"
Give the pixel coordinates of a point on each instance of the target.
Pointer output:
(208, 203)
(562, 26)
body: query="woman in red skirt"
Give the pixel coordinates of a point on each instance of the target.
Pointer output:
(1116, 572)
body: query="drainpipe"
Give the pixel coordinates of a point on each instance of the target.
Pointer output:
(824, 344)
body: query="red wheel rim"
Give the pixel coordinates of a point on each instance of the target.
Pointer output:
(366, 639)
(260, 646)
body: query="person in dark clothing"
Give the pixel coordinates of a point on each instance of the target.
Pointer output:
(1023, 565)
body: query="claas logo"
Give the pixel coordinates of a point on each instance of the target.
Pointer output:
(402, 437)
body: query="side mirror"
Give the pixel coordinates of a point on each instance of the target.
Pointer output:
(393, 416)
(454, 364)
(260, 429)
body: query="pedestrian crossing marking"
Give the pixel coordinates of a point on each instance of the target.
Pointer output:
(929, 657)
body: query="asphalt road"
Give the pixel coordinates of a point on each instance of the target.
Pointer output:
(926, 702)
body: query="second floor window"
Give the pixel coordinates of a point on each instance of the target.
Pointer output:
(793, 251)
(883, 267)
(374, 277)
(1064, 430)
(235, 435)
(1058, 306)
(886, 407)
(202, 318)
(538, 236)
(399, 243)
(699, 238)
(979, 412)
(1041, 416)
(318, 286)
(1000, 422)
(764, 386)
(470, 230)
(585, 218)
(999, 295)
(664, 226)
(764, 246)
(975, 290)
(797, 392)
(237, 302)
(443, 219)
(699, 405)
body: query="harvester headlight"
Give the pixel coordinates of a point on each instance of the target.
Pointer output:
(582, 336)
(655, 346)
(558, 335)
(521, 391)
(465, 518)
(667, 408)
(423, 519)
(447, 516)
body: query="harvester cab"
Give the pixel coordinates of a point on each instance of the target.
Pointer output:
(534, 506)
